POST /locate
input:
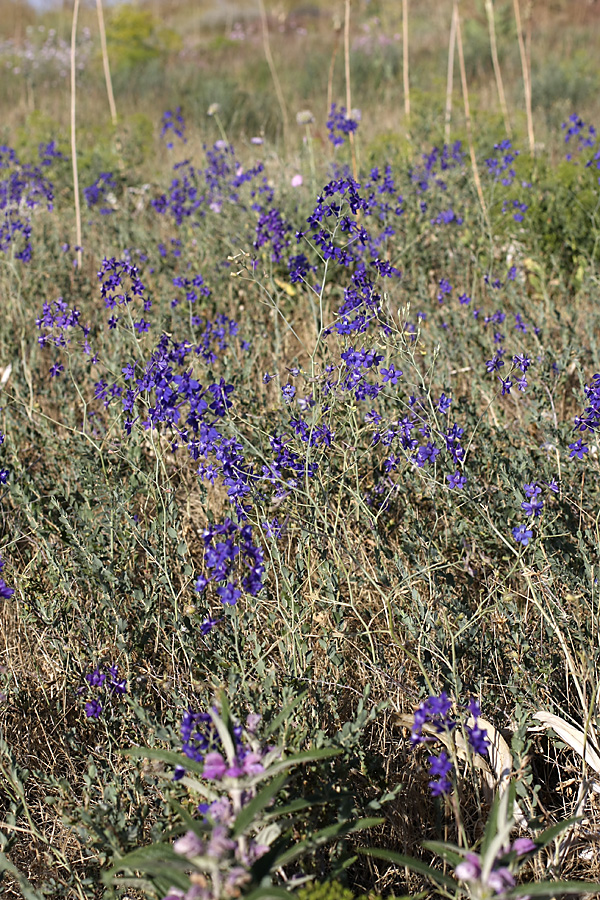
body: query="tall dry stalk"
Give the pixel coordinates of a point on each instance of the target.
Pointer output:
(405, 68)
(465, 92)
(73, 134)
(526, 77)
(273, 71)
(450, 76)
(489, 8)
(105, 63)
(348, 84)
(337, 27)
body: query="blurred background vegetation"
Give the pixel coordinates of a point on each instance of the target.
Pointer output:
(193, 53)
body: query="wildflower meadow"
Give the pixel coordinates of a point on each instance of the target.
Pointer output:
(299, 469)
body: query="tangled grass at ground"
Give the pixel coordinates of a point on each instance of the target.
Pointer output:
(299, 491)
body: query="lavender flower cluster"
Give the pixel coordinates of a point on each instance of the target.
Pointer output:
(213, 846)
(500, 879)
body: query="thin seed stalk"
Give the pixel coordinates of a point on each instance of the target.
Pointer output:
(465, 92)
(74, 135)
(273, 71)
(450, 75)
(489, 8)
(405, 66)
(106, 64)
(348, 85)
(526, 77)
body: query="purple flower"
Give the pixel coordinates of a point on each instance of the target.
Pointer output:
(533, 507)
(456, 480)
(522, 534)
(439, 768)
(208, 625)
(469, 869)
(392, 374)
(5, 590)
(118, 686)
(95, 678)
(433, 710)
(500, 879)
(220, 843)
(93, 708)
(444, 403)
(229, 594)
(214, 766)
(189, 845)
(523, 845)
(478, 740)
(251, 763)
(578, 449)
(340, 124)
(288, 392)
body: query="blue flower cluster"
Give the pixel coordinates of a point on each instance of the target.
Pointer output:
(173, 123)
(194, 192)
(226, 547)
(436, 712)
(96, 194)
(341, 123)
(202, 743)
(590, 420)
(59, 323)
(108, 679)
(533, 506)
(500, 166)
(23, 188)
(5, 591)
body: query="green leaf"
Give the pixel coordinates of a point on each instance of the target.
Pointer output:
(550, 833)
(155, 859)
(193, 824)
(553, 889)
(265, 893)
(250, 812)
(200, 787)
(284, 714)
(338, 829)
(167, 756)
(415, 865)
(293, 807)
(449, 852)
(27, 889)
(498, 828)
(222, 723)
(290, 761)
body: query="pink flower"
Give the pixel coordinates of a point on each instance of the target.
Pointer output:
(469, 869)
(500, 880)
(189, 845)
(523, 845)
(214, 766)
(252, 764)
(296, 181)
